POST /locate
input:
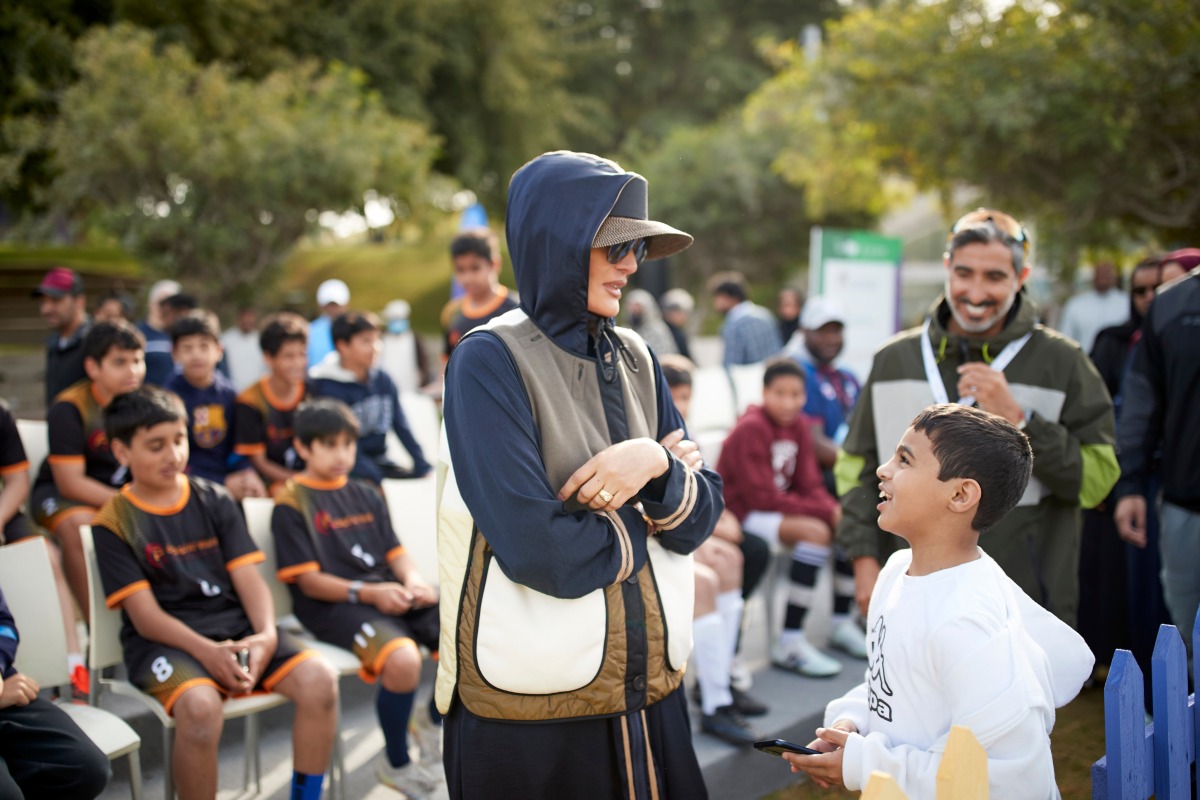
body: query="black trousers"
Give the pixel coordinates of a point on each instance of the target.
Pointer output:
(592, 759)
(44, 754)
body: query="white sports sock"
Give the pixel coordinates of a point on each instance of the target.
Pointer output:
(789, 638)
(75, 660)
(729, 606)
(712, 662)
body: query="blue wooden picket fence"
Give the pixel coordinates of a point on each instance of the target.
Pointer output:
(1158, 759)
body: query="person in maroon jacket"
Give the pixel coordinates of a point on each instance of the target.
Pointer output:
(774, 486)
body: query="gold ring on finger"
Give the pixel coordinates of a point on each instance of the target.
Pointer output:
(605, 496)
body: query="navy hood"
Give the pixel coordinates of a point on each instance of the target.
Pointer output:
(556, 205)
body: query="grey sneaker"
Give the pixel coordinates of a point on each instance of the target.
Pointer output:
(415, 781)
(849, 638)
(805, 659)
(426, 735)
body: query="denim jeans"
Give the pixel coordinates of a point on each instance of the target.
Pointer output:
(1179, 543)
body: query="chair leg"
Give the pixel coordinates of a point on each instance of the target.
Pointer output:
(253, 756)
(337, 786)
(168, 774)
(135, 775)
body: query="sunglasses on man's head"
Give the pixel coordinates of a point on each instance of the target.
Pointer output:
(617, 252)
(1002, 222)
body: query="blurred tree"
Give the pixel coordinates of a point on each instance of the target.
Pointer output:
(649, 66)
(1078, 113)
(482, 74)
(718, 182)
(213, 177)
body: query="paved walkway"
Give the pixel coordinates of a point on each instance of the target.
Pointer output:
(731, 773)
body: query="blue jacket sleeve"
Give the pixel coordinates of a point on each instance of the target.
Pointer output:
(8, 639)
(683, 504)
(495, 446)
(404, 433)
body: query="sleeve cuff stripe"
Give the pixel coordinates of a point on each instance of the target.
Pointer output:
(115, 599)
(12, 468)
(250, 449)
(685, 507)
(623, 542)
(257, 557)
(289, 574)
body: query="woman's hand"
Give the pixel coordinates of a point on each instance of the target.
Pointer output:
(685, 450)
(616, 474)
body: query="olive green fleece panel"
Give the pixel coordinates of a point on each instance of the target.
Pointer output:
(1100, 473)
(846, 471)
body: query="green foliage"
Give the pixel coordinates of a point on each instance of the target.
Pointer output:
(651, 66)
(717, 183)
(201, 173)
(1080, 114)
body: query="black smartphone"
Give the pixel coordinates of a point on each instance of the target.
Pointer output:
(243, 659)
(778, 747)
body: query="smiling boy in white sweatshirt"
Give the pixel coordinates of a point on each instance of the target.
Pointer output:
(952, 640)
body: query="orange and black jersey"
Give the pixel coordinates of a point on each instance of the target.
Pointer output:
(12, 452)
(182, 553)
(466, 318)
(76, 430)
(264, 424)
(339, 527)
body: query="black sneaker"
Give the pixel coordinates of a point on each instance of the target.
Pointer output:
(727, 724)
(746, 705)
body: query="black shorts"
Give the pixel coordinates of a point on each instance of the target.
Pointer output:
(49, 508)
(18, 528)
(371, 634)
(165, 673)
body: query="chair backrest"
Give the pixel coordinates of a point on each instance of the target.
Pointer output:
(412, 506)
(747, 384)
(423, 420)
(104, 623)
(713, 406)
(35, 439)
(258, 512)
(29, 589)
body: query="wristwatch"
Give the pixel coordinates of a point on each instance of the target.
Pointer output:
(353, 591)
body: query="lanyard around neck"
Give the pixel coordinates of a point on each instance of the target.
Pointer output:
(934, 377)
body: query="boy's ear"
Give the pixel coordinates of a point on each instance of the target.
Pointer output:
(965, 496)
(91, 368)
(120, 452)
(301, 449)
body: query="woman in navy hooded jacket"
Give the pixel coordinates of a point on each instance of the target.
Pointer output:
(577, 492)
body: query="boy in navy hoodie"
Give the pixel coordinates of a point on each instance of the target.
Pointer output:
(350, 375)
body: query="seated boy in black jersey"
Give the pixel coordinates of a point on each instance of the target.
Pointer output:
(174, 554)
(80, 473)
(263, 423)
(354, 586)
(210, 398)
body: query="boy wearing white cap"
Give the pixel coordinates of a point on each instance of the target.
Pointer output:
(332, 296)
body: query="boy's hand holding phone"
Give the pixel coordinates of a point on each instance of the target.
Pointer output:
(825, 768)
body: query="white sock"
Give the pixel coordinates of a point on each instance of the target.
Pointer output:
(75, 660)
(729, 606)
(712, 662)
(788, 639)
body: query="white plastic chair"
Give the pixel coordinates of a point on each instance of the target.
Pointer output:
(423, 419)
(28, 582)
(258, 512)
(713, 404)
(412, 507)
(747, 384)
(104, 650)
(35, 439)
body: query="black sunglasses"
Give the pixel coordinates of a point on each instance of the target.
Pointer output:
(1138, 291)
(617, 252)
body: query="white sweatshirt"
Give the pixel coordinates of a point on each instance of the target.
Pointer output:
(963, 646)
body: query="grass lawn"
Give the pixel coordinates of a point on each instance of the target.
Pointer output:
(1078, 740)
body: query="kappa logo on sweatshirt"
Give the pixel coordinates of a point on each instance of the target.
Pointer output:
(878, 684)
